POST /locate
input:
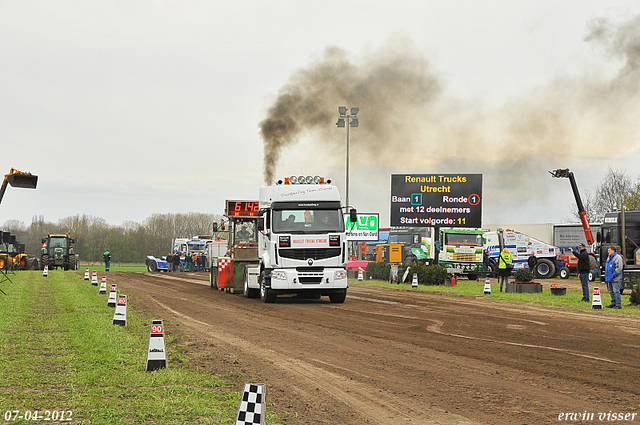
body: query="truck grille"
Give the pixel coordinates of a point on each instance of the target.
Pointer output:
(306, 253)
(468, 258)
(310, 275)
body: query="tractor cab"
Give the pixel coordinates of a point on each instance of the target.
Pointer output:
(242, 226)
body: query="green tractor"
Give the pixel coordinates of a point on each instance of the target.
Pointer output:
(57, 251)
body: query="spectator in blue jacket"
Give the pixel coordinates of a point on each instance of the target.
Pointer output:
(613, 276)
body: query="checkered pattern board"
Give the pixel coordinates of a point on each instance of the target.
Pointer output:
(223, 262)
(252, 406)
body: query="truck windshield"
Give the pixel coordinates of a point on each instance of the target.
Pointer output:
(404, 238)
(307, 221)
(58, 243)
(197, 249)
(463, 239)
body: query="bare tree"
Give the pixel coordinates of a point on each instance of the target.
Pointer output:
(613, 189)
(632, 200)
(590, 204)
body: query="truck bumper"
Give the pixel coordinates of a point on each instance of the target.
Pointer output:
(292, 280)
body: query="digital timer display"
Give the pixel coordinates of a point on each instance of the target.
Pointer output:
(243, 208)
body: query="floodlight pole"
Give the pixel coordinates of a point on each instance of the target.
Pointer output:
(347, 120)
(347, 181)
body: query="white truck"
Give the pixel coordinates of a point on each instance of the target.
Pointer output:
(302, 245)
(195, 245)
(521, 246)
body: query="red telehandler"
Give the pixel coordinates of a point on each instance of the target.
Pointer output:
(570, 260)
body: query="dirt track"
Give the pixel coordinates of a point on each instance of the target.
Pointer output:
(390, 356)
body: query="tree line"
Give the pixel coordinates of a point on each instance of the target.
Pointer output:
(129, 242)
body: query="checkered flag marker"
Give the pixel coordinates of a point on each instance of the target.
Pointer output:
(252, 409)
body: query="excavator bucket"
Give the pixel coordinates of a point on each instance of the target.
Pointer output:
(27, 181)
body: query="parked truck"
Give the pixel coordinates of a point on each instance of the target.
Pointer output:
(459, 250)
(195, 245)
(623, 230)
(300, 246)
(521, 246)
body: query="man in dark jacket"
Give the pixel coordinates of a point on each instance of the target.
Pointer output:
(532, 261)
(583, 270)
(176, 261)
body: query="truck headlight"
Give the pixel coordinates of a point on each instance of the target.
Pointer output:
(279, 275)
(340, 274)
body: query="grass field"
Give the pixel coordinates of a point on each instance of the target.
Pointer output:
(115, 267)
(61, 353)
(466, 287)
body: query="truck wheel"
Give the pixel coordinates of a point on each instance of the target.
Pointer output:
(493, 270)
(212, 280)
(592, 276)
(249, 292)
(593, 263)
(410, 259)
(338, 297)
(545, 269)
(564, 273)
(266, 294)
(152, 266)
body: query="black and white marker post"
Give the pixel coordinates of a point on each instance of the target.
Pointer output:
(103, 286)
(120, 315)
(113, 295)
(156, 355)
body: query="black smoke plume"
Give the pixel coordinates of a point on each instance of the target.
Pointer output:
(406, 119)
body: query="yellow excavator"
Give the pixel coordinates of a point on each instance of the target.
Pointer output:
(10, 256)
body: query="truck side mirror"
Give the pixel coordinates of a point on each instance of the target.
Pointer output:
(264, 223)
(44, 240)
(215, 227)
(261, 223)
(598, 237)
(353, 215)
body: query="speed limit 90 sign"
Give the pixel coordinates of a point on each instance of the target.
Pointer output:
(156, 329)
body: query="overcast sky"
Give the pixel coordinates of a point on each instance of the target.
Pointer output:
(129, 108)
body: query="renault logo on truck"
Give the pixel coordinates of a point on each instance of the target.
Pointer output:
(310, 261)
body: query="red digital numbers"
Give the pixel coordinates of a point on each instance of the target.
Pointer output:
(156, 329)
(122, 301)
(243, 208)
